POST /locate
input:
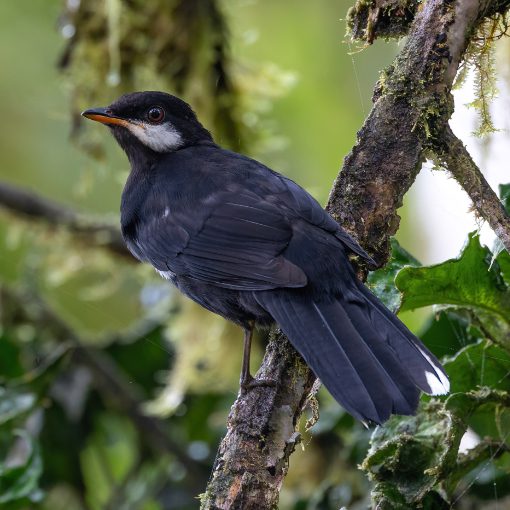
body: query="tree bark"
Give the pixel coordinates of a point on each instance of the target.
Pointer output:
(412, 105)
(409, 120)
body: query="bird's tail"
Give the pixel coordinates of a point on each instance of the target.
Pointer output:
(365, 356)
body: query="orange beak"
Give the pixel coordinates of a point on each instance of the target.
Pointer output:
(104, 116)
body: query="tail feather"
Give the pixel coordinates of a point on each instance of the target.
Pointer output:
(359, 351)
(306, 331)
(390, 388)
(423, 366)
(379, 343)
(326, 338)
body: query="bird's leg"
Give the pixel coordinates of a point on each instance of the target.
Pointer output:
(246, 377)
(247, 381)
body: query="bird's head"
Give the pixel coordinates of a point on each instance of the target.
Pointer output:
(153, 121)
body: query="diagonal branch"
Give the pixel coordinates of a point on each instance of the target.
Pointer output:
(452, 152)
(32, 206)
(412, 105)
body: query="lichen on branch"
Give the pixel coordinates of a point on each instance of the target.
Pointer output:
(388, 19)
(453, 155)
(412, 106)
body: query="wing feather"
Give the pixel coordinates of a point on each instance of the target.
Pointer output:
(238, 245)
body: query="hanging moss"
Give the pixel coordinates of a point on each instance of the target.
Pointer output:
(480, 60)
(388, 19)
(391, 19)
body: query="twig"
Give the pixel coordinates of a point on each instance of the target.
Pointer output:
(459, 162)
(32, 206)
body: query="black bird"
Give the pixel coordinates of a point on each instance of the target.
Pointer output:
(251, 245)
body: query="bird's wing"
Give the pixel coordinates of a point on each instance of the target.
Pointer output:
(236, 244)
(310, 210)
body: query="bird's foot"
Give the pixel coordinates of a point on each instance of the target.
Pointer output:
(249, 382)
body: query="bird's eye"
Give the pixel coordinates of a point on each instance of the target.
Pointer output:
(156, 114)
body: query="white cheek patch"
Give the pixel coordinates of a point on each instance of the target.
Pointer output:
(158, 137)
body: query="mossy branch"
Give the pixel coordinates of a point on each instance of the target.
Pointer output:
(452, 153)
(388, 19)
(29, 205)
(253, 458)
(412, 106)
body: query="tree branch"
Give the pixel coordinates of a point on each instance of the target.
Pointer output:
(253, 458)
(412, 104)
(457, 159)
(382, 18)
(32, 206)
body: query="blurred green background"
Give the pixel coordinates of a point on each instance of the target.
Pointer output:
(121, 386)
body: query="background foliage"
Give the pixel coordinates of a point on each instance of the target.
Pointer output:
(114, 391)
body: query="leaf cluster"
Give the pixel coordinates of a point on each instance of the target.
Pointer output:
(418, 461)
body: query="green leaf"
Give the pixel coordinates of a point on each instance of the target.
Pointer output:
(19, 482)
(498, 247)
(411, 455)
(448, 331)
(10, 357)
(14, 403)
(404, 452)
(504, 194)
(503, 261)
(476, 368)
(481, 364)
(42, 376)
(382, 281)
(503, 257)
(111, 452)
(469, 281)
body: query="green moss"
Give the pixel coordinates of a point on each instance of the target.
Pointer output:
(389, 19)
(479, 59)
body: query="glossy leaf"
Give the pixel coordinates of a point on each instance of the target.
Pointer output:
(382, 281)
(14, 403)
(470, 281)
(19, 480)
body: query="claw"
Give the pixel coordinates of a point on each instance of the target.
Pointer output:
(251, 383)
